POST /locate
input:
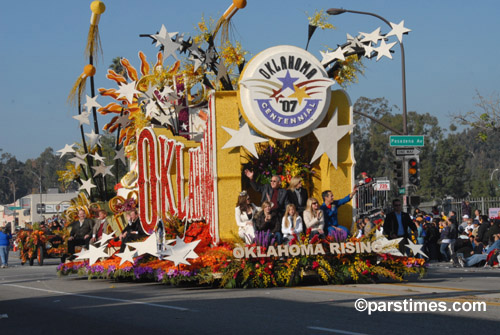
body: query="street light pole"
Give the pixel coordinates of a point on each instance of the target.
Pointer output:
(338, 11)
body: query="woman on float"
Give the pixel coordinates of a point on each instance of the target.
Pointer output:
(291, 223)
(313, 218)
(244, 213)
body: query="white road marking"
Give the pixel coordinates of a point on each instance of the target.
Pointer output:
(100, 298)
(338, 331)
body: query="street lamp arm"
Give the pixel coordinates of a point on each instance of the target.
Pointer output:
(379, 122)
(491, 177)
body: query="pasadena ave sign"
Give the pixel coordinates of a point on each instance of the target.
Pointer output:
(307, 249)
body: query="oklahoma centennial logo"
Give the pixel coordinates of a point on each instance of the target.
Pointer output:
(284, 92)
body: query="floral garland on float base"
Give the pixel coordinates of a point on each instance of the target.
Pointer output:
(217, 266)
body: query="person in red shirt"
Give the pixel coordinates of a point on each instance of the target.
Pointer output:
(100, 226)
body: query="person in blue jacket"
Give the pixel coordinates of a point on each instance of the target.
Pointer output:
(330, 210)
(5, 237)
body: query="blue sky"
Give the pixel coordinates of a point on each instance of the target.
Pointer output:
(450, 53)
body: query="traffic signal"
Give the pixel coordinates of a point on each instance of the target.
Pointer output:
(413, 175)
(40, 208)
(398, 173)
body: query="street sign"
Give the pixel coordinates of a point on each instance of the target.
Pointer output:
(402, 190)
(382, 185)
(15, 208)
(406, 140)
(407, 152)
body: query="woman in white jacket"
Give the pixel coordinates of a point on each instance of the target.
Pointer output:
(244, 212)
(313, 218)
(292, 223)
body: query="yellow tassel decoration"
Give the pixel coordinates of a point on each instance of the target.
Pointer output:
(93, 39)
(225, 19)
(79, 86)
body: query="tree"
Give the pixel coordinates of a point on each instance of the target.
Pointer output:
(486, 119)
(117, 66)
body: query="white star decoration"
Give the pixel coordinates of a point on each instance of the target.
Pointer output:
(181, 251)
(120, 154)
(93, 254)
(387, 246)
(148, 246)
(384, 49)
(243, 138)
(103, 170)
(398, 30)
(331, 56)
(92, 102)
(93, 138)
(98, 157)
(105, 238)
(127, 255)
(82, 118)
(374, 36)
(79, 159)
(328, 138)
(416, 248)
(127, 91)
(165, 38)
(87, 185)
(67, 149)
(162, 35)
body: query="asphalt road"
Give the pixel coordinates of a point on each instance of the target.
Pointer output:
(33, 300)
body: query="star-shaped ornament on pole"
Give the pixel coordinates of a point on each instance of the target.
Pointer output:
(87, 185)
(91, 103)
(243, 138)
(384, 49)
(328, 138)
(82, 118)
(398, 30)
(93, 138)
(120, 154)
(79, 159)
(103, 170)
(181, 251)
(67, 149)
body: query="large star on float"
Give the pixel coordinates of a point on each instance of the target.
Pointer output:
(93, 254)
(387, 246)
(163, 35)
(328, 138)
(288, 81)
(148, 246)
(182, 251)
(243, 138)
(127, 91)
(105, 238)
(398, 30)
(127, 255)
(416, 248)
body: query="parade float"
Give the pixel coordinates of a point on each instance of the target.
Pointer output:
(188, 123)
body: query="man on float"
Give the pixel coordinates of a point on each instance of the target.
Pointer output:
(330, 210)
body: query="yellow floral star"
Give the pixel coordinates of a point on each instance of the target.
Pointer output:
(300, 93)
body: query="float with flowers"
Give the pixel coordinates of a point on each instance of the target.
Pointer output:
(187, 124)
